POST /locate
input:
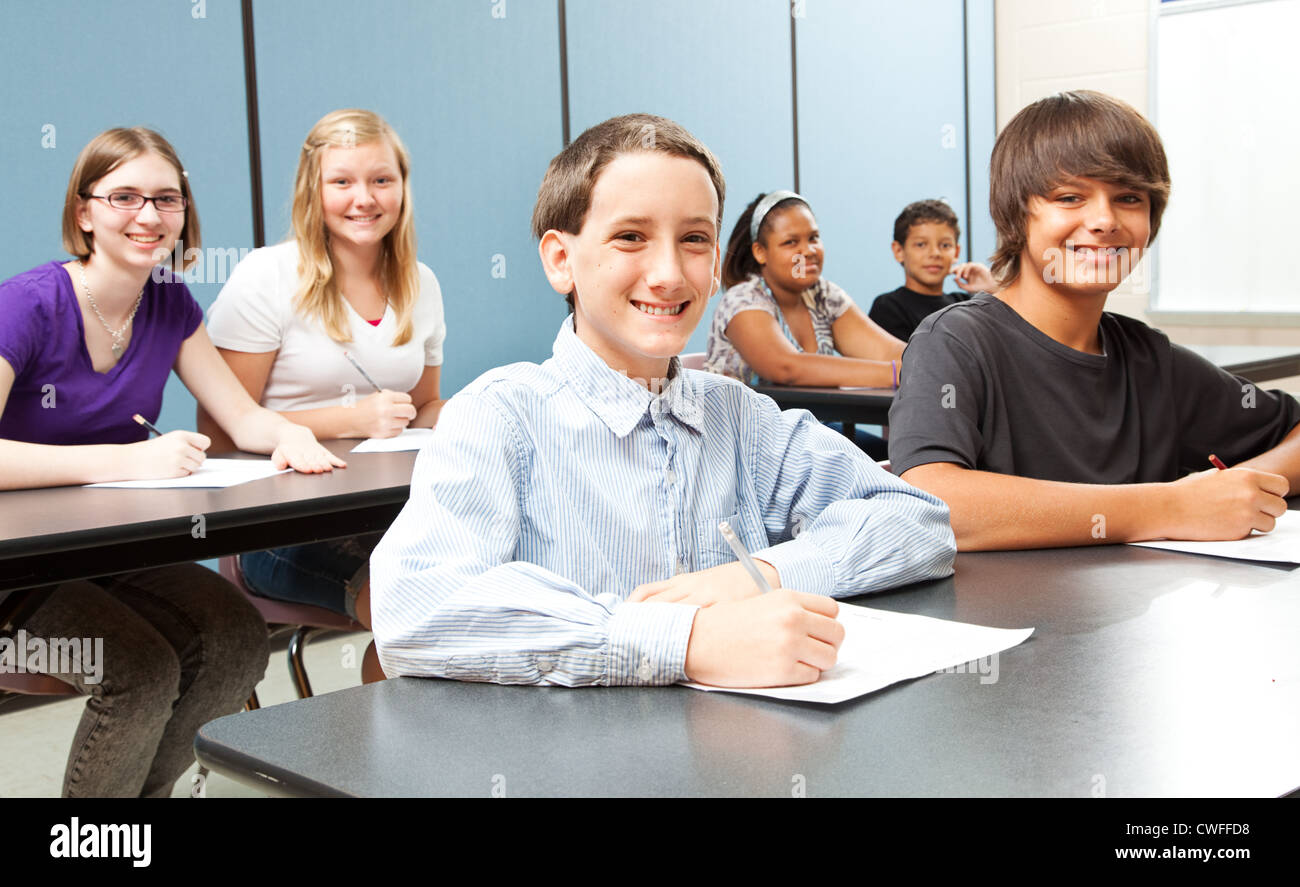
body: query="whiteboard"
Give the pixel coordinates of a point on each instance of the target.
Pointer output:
(1228, 110)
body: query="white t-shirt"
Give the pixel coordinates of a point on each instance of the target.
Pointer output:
(255, 313)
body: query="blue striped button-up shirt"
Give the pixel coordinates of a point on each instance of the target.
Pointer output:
(549, 492)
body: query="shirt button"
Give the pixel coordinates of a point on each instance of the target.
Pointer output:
(645, 671)
(679, 568)
(545, 665)
(671, 477)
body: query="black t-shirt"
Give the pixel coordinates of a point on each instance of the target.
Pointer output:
(902, 310)
(983, 388)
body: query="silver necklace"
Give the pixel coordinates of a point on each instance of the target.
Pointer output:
(118, 345)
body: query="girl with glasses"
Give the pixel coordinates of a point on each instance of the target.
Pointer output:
(84, 345)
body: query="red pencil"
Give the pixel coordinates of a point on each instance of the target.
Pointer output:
(1217, 462)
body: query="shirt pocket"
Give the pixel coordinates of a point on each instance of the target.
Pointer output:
(711, 548)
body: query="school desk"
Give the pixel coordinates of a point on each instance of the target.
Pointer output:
(1128, 687)
(52, 535)
(859, 406)
(870, 406)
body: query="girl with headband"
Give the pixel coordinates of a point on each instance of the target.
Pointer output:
(781, 322)
(84, 345)
(309, 323)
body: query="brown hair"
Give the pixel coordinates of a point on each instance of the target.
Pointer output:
(923, 211)
(105, 153)
(318, 296)
(565, 194)
(1082, 133)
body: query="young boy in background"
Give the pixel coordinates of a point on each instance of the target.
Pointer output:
(563, 520)
(1044, 421)
(926, 243)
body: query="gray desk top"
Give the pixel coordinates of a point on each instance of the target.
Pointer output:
(73, 532)
(1258, 363)
(1132, 685)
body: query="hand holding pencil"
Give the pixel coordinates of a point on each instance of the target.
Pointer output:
(170, 454)
(382, 414)
(1223, 503)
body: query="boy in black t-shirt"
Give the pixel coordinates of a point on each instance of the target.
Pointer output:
(926, 243)
(1044, 421)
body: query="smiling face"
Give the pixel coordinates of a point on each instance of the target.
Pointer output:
(926, 256)
(361, 193)
(791, 252)
(1086, 235)
(644, 263)
(135, 240)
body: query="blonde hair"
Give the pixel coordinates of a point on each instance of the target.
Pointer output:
(105, 153)
(399, 277)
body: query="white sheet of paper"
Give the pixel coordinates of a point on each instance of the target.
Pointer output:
(1283, 544)
(409, 439)
(214, 473)
(882, 648)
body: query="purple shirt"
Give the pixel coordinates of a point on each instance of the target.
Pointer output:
(57, 397)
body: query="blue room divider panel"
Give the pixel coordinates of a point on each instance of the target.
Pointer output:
(74, 69)
(721, 69)
(881, 124)
(473, 90)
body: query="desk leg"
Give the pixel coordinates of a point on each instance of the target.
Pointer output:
(850, 430)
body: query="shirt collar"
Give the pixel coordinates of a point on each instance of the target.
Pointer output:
(616, 399)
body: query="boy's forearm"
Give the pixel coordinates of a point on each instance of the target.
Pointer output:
(1283, 459)
(998, 511)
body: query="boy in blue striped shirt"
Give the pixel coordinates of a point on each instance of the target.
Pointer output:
(563, 520)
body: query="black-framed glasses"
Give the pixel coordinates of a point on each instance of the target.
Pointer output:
(130, 201)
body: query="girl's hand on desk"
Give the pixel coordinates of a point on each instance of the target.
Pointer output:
(385, 413)
(704, 588)
(299, 450)
(174, 454)
(773, 640)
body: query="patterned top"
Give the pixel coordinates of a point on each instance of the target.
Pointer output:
(547, 493)
(826, 303)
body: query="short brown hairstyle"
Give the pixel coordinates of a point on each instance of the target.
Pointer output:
(565, 194)
(105, 153)
(923, 211)
(1083, 134)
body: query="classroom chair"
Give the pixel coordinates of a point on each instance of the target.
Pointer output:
(303, 620)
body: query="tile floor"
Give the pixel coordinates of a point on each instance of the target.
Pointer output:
(34, 736)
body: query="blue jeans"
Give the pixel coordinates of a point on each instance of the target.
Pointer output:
(180, 647)
(324, 574)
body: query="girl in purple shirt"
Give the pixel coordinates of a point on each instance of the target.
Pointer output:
(84, 345)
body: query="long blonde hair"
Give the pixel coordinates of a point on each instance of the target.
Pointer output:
(318, 295)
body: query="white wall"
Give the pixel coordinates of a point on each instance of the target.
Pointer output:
(1044, 46)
